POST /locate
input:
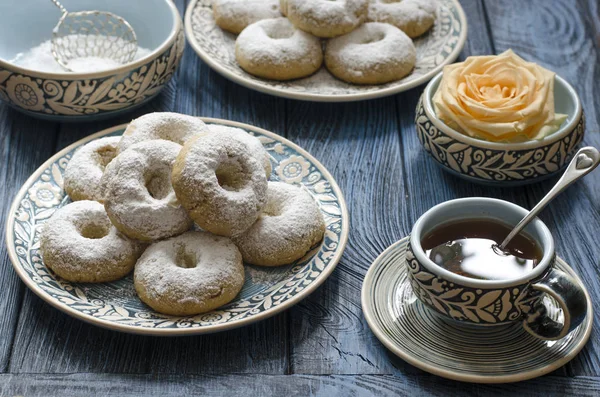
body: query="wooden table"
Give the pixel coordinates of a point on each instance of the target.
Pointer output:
(323, 345)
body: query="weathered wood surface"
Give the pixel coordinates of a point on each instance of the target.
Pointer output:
(322, 346)
(100, 385)
(563, 36)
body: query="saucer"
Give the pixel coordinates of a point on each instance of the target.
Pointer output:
(456, 351)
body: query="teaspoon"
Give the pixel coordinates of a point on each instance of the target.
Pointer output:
(585, 160)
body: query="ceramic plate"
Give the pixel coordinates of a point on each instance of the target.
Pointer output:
(115, 305)
(457, 351)
(439, 47)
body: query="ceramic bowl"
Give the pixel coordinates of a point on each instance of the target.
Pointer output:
(87, 96)
(506, 164)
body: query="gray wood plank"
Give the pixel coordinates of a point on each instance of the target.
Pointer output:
(358, 143)
(203, 92)
(24, 145)
(478, 35)
(561, 35)
(85, 384)
(259, 348)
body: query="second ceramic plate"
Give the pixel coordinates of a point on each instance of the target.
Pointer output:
(115, 305)
(439, 47)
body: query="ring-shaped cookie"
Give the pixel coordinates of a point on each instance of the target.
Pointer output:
(84, 171)
(375, 53)
(189, 274)
(234, 15)
(139, 198)
(221, 184)
(276, 50)
(413, 17)
(326, 18)
(79, 243)
(290, 224)
(174, 127)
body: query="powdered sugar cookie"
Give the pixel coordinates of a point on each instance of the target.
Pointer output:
(413, 17)
(256, 147)
(220, 183)
(276, 50)
(325, 18)
(139, 198)
(235, 15)
(80, 244)
(375, 53)
(174, 127)
(84, 171)
(290, 224)
(189, 274)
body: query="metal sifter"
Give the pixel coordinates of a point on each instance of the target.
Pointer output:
(92, 34)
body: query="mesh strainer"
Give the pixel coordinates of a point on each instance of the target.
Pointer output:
(96, 34)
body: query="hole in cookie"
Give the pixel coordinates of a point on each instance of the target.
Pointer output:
(105, 155)
(272, 208)
(94, 231)
(281, 32)
(185, 260)
(374, 38)
(158, 183)
(230, 174)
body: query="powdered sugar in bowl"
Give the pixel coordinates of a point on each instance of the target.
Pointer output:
(32, 82)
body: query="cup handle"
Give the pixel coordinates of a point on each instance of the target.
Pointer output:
(570, 297)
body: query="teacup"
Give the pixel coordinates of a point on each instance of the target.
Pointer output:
(495, 302)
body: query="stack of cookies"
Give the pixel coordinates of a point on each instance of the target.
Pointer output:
(183, 203)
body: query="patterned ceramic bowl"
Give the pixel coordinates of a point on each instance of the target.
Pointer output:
(501, 163)
(87, 96)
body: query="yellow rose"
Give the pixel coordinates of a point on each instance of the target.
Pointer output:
(498, 98)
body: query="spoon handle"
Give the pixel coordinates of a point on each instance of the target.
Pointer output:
(584, 161)
(62, 8)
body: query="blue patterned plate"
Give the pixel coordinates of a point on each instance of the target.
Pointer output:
(457, 351)
(115, 305)
(436, 48)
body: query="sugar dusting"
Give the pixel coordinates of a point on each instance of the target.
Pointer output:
(279, 42)
(256, 147)
(175, 127)
(244, 12)
(411, 16)
(232, 203)
(40, 58)
(84, 171)
(370, 47)
(215, 265)
(324, 14)
(132, 177)
(290, 224)
(62, 240)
